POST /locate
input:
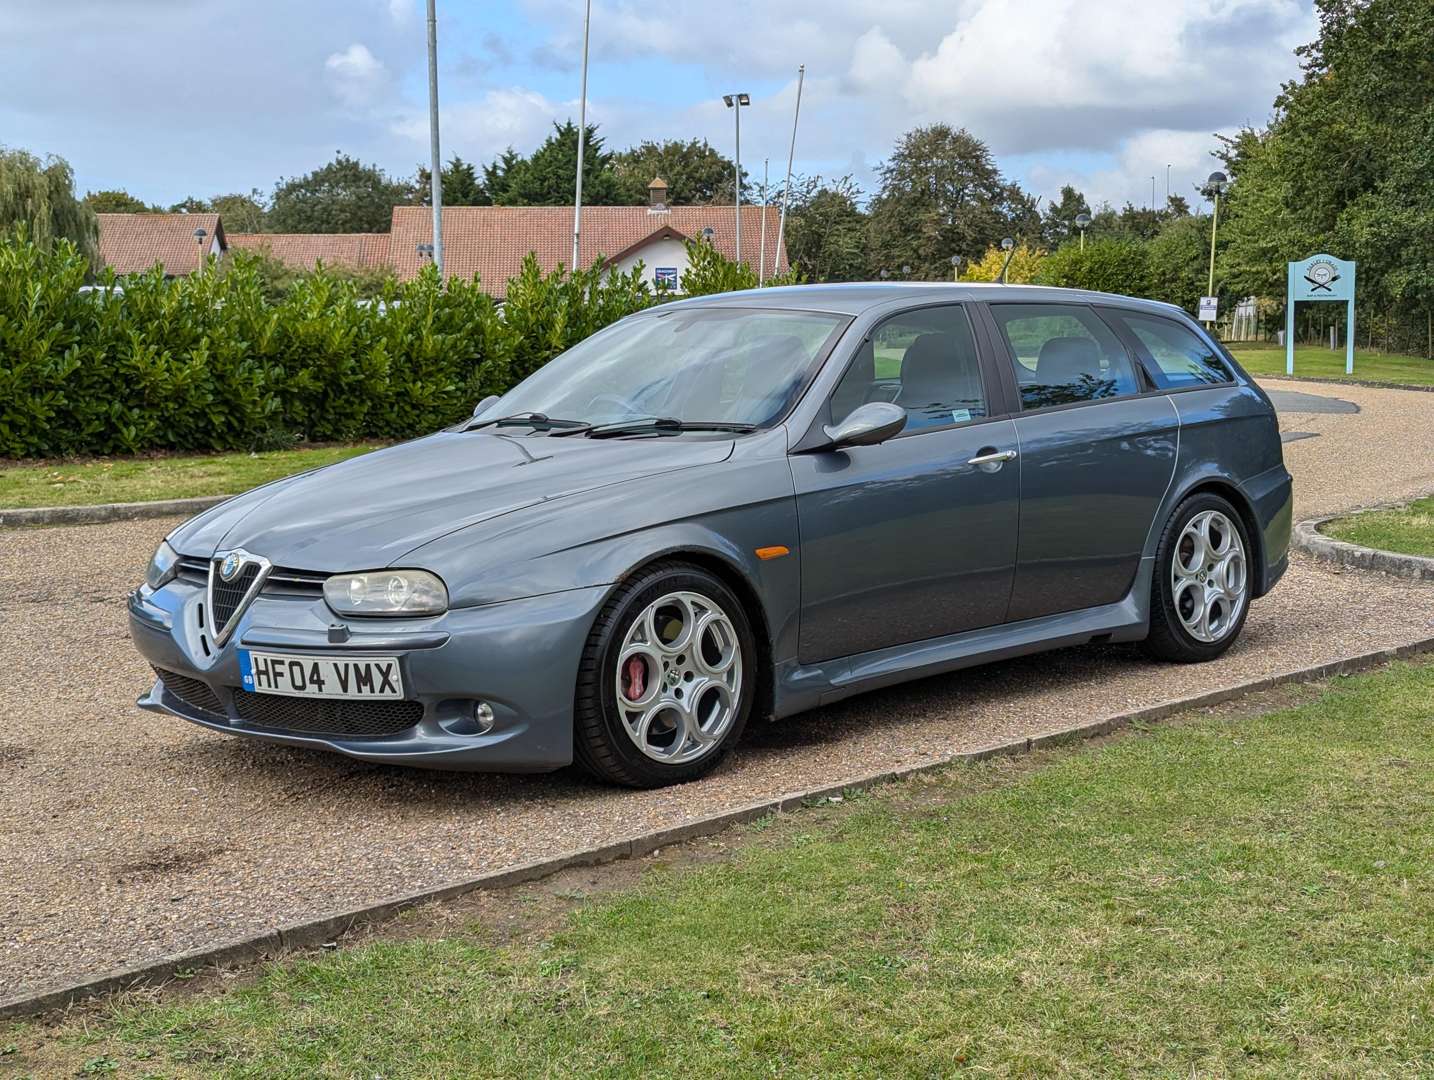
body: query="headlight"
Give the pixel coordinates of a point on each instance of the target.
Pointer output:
(163, 567)
(387, 592)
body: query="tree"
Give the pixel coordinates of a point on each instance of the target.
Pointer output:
(38, 198)
(1059, 225)
(117, 201)
(461, 185)
(1179, 261)
(942, 195)
(191, 205)
(1347, 163)
(344, 196)
(826, 230)
(546, 178)
(696, 174)
(242, 213)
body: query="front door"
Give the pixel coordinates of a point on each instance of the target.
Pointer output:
(1097, 455)
(914, 538)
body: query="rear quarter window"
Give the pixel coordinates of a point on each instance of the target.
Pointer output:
(1175, 356)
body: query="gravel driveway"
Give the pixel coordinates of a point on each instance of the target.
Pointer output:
(125, 836)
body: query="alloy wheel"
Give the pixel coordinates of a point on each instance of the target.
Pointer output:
(679, 677)
(1209, 576)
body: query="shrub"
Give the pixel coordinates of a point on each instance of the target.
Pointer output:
(1106, 265)
(1026, 263)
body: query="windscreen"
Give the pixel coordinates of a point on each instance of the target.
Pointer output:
(741, 366)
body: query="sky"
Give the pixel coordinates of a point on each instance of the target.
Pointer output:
(171, 98)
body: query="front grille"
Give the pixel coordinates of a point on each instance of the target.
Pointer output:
(317, 716)
(305, 583)
(229, 594)
(193, 571)
(192, 692)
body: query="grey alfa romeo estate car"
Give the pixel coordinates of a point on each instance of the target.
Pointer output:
(737, 505)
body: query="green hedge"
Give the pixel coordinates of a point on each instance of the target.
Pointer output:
(208, 363)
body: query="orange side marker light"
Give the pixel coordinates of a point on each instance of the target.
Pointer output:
(776, 551)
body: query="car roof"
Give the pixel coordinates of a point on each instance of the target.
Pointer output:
(854, 298)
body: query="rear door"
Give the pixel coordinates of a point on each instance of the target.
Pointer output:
(914, 538)
(1097, 446)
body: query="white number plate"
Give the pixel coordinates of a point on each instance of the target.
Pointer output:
(368, 677)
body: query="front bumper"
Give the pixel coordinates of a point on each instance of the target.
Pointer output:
(520, 656)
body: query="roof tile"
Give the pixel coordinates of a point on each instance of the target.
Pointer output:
(491, 241)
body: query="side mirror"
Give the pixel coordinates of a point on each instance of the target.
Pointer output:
(866, 425)
(482, 406)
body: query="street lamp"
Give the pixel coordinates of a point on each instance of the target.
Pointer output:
(1082, 222)
(955, 267)
(1009, 247)
(1216, 184)
(199, 235)
(735, 102)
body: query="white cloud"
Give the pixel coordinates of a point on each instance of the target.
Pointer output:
(357, 76)
(1127, 174)
(480, 130)
(876, 63)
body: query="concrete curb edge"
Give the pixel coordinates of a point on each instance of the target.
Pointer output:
(29, 517)
(327, 928)
(1308, 538)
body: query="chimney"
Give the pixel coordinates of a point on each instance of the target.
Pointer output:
(657, 194)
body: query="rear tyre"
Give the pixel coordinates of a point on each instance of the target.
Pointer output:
(1201, 592)
(666, 680)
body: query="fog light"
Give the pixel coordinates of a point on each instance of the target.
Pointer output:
(483, 717)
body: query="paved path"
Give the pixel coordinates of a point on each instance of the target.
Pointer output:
(1382, 452)
(125, 836)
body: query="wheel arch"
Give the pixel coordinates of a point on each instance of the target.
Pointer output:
(1231, 492)
(731, 574)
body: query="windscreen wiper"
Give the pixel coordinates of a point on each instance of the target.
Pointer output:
(661, 425)
(537, 420)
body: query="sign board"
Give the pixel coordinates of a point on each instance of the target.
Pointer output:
(665, 277)
(1209, 308)
(1320, 277)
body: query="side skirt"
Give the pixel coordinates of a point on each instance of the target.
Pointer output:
(807, 686)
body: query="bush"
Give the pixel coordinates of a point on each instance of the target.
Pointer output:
(1025, 267)
(1110, 265)
(224, 361)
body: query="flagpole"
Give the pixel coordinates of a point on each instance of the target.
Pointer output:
(582, 139)
(791, 153)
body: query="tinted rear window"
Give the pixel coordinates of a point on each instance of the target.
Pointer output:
(1177, 356)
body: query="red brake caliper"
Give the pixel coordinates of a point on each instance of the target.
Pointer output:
(634, 678)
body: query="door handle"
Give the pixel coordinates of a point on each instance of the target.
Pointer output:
(992, 457)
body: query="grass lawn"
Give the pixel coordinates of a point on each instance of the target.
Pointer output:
(1231, 893)
(142, 479)
(1316, 361)
(1408, 530)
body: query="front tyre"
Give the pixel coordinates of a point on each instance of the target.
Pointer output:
(1201, 592)
(666, 679)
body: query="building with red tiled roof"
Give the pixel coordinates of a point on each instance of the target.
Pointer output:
(491, 241)
(488, 241)
(303, 251)
(133, 243)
